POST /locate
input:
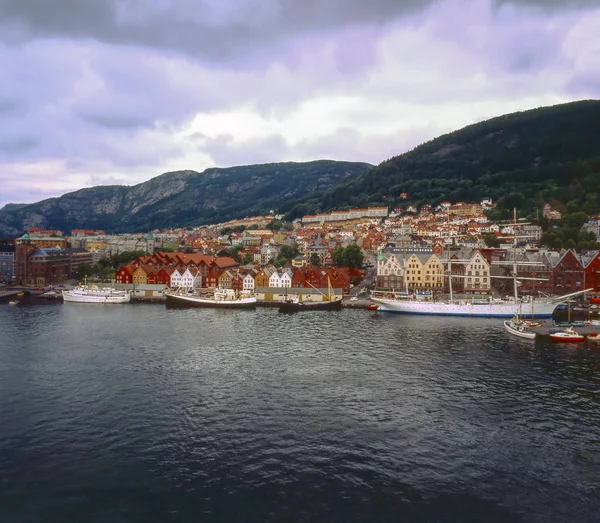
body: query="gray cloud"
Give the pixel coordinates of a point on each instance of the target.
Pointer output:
(10, 107)
(210, 30)
(551, 5)
(16, 146)
(98, 91)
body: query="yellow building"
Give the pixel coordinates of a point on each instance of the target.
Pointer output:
(139, 276)
(49, 241)
(96, 245)
(424, 272)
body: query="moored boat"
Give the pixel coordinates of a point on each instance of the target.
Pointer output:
(491, 308)
(519, 328)
(593, 336)
(330, 302)
(569, 335)
(94, 294)
(294, 305)
(221, 298)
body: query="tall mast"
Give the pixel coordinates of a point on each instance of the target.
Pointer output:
(515, 255)
(404, 254)
(449, 261)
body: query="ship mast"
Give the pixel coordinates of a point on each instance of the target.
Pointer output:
(449, 261)
(515, 255)
(404, 254)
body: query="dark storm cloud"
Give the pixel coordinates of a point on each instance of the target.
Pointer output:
(211, 30)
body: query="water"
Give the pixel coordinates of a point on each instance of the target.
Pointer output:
(142, 413)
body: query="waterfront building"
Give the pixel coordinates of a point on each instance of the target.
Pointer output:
(7, 263)
(567, 274)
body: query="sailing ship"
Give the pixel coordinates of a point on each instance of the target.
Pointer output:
(221, 298)
(330, 302)
(490, 307)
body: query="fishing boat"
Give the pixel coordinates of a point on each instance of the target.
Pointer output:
(569, 335)
(519, 328)
(221, 298)
(93, 294)
(330, 302)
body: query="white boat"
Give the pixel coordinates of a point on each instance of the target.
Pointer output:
(519, 328)
(477, 308)
(222, 298)
(94, 294)
(569, 335)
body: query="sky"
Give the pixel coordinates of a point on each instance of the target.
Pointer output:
(120, 91)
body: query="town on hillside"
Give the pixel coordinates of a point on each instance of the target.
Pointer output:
(408, 249)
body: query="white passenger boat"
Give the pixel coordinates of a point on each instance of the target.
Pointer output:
(94, 294)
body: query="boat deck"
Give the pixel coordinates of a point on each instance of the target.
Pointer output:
(549, 326)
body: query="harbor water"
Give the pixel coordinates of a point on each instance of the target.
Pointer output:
(132, 413)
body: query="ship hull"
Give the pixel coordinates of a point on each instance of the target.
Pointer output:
(334, 305)
(96, 298)
(174, 300)
(472, 310)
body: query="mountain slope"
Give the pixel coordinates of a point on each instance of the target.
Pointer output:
(546, 154)
(181, 198)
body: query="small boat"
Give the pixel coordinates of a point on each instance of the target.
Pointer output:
(593, 336)
(569, 335)
(295, 305)
(221, 299)
(373, 307)
(519, 328)
(330, 302)
(533, 323)
(13, 302)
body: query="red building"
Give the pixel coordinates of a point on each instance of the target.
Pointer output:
(568, 274)
(125, 274)
(592, 274)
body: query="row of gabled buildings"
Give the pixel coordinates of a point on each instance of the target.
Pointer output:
(485, 271)
(194, 271)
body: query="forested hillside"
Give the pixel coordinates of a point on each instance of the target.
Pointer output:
(522, 160)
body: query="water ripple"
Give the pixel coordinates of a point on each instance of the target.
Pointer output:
(142, 413)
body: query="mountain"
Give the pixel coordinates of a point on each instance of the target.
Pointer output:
(180, 198)
(524, 159)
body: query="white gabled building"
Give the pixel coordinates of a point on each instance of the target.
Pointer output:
(477, 274)
(175, 281)
(190, 280)
(285, 279)
(390, 271)
(275, 280)
(248, 282)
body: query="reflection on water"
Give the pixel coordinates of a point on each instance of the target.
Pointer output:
(142, 413)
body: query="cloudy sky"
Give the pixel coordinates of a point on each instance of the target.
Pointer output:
(119, 91)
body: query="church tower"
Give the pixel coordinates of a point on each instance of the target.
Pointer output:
(150, 244)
